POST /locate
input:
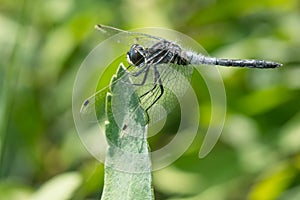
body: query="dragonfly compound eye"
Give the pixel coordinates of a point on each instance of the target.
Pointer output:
(136, 55)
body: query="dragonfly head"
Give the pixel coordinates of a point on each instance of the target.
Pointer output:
(136, 55)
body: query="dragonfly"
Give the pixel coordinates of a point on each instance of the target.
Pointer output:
(157, 66)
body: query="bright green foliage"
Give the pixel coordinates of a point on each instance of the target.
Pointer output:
(43, 43)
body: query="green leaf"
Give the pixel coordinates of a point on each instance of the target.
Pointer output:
(60, 187)
(278, 179)
(127, 164)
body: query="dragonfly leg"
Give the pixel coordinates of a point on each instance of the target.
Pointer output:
(135, 74)
(157, 81)
(155, 85)
(157, 98)
(156, 77)
(144, 78)
(145, 70)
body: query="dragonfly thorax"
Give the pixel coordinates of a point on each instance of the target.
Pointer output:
(163, 52)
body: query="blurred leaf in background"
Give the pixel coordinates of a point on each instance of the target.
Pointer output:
(44, 42)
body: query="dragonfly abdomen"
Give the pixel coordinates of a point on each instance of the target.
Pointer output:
(199, 59)
(247, 63)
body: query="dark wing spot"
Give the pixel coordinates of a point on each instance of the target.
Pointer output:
(86, 102)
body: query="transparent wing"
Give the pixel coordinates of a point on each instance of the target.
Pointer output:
(93, 109)
(128, 37)
(174, 78)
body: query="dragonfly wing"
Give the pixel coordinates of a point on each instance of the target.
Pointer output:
(93, 108)
(128, 37)
(175, 80)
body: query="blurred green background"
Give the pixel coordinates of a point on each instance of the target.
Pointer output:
(43, 43)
